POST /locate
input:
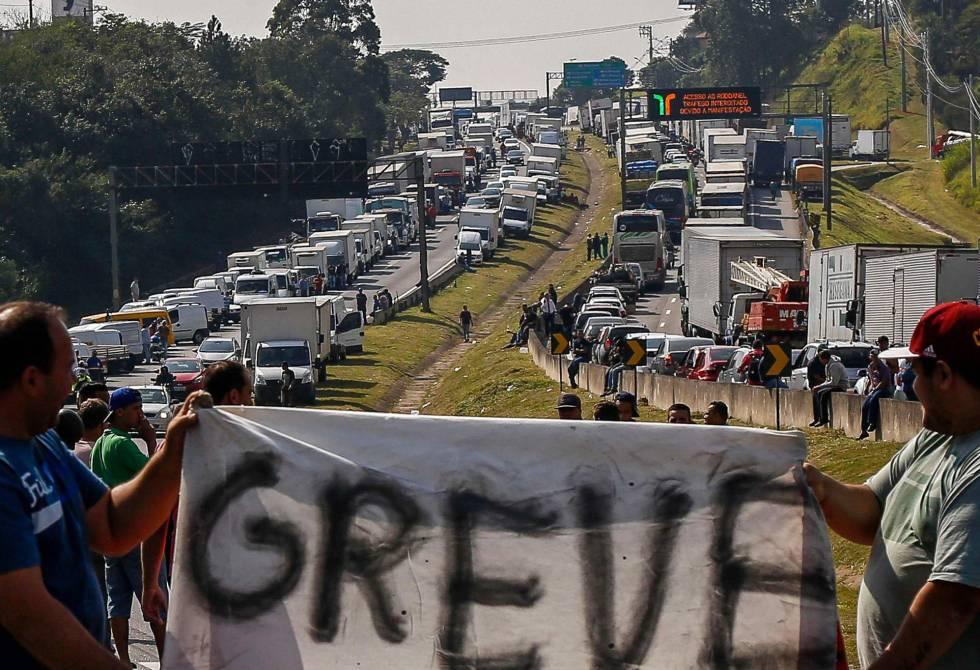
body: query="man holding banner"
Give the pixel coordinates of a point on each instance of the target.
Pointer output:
(920, 594)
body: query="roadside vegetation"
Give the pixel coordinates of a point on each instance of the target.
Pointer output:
(396, 350)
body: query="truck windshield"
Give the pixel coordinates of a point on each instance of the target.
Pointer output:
(723, 200)
(255, 286)
(322, 224)
(269, 357)
(472, 243)
(275, 255)
(484, 232)
(670, 200)
(637, 224)
(447, 179)
(673, 173)
(514, 214)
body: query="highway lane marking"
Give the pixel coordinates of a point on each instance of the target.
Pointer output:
(667, 312)
(673, 300)
(662, 324)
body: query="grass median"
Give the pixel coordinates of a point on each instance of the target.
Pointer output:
(396, 350)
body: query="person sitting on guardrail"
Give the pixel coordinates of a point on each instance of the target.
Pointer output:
(716, 414)
(920, 596)
(581, 353)
(880, 385)
(835, 375)
(679, 413)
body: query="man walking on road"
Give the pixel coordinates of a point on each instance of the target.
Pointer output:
(920, 513)
(288, 379)
(116, 459)
(835, 375)
(361, 301)
(465, 321)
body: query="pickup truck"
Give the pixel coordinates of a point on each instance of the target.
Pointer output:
(620, 277)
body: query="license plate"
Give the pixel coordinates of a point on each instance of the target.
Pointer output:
(178, 387)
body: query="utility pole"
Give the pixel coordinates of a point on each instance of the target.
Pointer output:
(901, 53)
(930, 129)
(973, 139)
(424, 234)
(828, 140)
(647, 31)
(30, 13)
(114, 236)
(888, 127)
(884, 32)
(622, 145)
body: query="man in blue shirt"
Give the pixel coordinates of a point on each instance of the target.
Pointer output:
(52, 509)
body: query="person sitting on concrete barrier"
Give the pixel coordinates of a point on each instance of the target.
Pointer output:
(920, 513)
(751, 367)
(569, 407)
(581, 353)
(716, 414)
(835, 376)
(626, 404)
(679, 413)
(880, 385)
(605, 411)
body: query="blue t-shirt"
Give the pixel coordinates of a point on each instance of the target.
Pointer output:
(44, 494)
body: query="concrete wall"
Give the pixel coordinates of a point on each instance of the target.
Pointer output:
(900, 420)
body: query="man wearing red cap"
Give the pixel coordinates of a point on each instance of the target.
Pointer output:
(920, 595)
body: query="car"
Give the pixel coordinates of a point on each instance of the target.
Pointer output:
(507, 172)
(595, 324)
(608, 337)
(584, 315)
(504, 133)
(499, 185)
(476, 202)
(709, 362)
(685, 363)
(609, 300)
(671, 350)
(620, 309)
(188, 376)
(730, 374)
(216, 349)
(515, 157)
(854, 356)
(511, 143)
(652, 342)
(609, 310)
(641, 277)
(606, 291)
(156, 406)
(491, 195)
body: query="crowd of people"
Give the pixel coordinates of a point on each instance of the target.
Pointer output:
(79, 499)
(597, 247)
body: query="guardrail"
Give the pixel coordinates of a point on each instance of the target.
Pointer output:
(901, 420)
(437, 280)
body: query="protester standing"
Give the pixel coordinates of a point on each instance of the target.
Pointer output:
(567, 317)
(116, 459)
(361, 301)
(569, 407)
(604, 243)
(163, 330)
(716, 414)
(134, 289)
(626, 404)
(145, 341)
(549, 310)
(919, 599)
(679, 413)
(288, 379)
(93, 413)
(605, 411)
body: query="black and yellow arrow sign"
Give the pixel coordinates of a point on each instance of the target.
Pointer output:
(776, 362)
(637, 352)
(559, 344)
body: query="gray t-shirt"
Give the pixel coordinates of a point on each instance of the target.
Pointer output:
(930, 531)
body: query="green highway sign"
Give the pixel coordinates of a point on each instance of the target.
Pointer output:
(604, 74)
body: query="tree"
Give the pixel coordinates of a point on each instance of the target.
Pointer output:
(411, 74)
(349, 20)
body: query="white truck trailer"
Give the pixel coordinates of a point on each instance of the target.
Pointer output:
(707, 288)
(484, 221)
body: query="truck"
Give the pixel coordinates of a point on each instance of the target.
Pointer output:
(546, 150)
(484, 221)
(901, 288)
(283, 330)
(768, 163)
(448, 169)
(796, 147)
(384, 234)
(707, 289)
(323, 222)
(365, 243)
(697, 128)
(517, 212)
(640, 236)
(120, 341)
(871, 144)
(347, 208)
(725, 148)
(775, 312)
(753, 135)
(436, 140)
(341, 250)
(409, 206)
(837, 289)
(713, 131)
(441, 120)
(808, 182)
(840, 131)
(723, 172)
(542, 164)
(276, 256)
(247, 260)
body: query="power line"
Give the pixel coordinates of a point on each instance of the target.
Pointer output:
(520, 39)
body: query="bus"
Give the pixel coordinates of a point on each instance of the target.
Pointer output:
(671, 197)
(639, 237)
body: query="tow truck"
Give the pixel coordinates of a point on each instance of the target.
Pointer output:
(776, 310)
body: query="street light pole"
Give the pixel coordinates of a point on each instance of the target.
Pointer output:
(424, 233)
(114, 236)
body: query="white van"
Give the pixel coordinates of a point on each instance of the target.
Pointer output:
(217, 281)
(247, 259)
(260, 285)
(189, 322)
(212, 299)
(276, 257)
(469, 243)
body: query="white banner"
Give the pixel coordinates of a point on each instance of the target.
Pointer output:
(311, 539)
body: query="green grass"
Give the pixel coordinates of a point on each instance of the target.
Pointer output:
(859, 219)
(923, 190)
(956, 171)
(397, 349)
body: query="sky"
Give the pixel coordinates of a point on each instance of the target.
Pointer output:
(500, 67)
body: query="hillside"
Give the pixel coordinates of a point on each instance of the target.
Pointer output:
(867, 90)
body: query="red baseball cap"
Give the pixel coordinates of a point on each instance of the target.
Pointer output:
(948, 332)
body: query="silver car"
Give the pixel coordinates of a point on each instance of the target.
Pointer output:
(217, 349)
(730, 373)
(156, 406)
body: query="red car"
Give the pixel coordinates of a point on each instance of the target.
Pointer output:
(708, 362)
(188, 376)
(685, 361)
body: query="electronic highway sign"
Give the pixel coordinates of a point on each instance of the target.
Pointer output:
(672, 104)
